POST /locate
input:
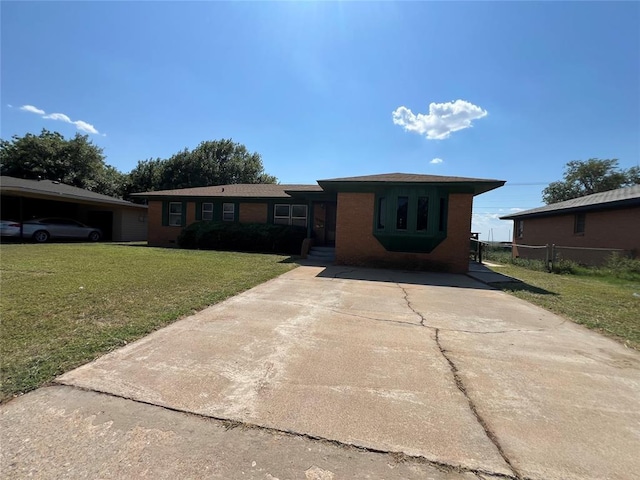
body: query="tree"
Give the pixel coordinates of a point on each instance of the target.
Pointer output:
(49, 156)
(591, 176)
(217, 162)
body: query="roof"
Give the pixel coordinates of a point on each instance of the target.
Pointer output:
(619, 198)
(244, 190)
(53, 190)
(478, 185)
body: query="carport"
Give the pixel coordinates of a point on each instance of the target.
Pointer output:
(118, 219)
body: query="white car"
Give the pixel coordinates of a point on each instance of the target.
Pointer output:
(43, 229)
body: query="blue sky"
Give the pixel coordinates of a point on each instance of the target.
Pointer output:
(494, 90)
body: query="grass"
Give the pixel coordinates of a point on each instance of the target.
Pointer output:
(600, 300)
(64, 305)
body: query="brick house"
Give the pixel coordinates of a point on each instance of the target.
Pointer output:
(606, 220)
(396, 220)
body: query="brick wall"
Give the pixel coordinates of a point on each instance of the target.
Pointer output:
(603, 229)
(356, 245)
(253, 213)
(165, 236)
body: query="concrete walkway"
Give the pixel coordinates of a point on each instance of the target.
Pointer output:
(338, 372)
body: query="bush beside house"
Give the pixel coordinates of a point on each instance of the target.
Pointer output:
(248, 237)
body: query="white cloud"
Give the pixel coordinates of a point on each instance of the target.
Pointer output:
(58, 116)
(80, 124)
(435, 161)
(516, 209)
(442, 119)
(32, 109)
(9, 105)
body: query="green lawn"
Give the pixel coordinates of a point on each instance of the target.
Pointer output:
(64, 305)
(604, 303)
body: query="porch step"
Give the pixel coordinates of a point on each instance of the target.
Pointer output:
(322, 254)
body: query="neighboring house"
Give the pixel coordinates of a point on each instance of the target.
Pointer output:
(608, 220)
(399, 220)
(119, 220)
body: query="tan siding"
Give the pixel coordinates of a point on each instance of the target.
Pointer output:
(356, 245)
(130, 225)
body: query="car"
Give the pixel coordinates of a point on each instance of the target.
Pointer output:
(9, 228)
(43, 229)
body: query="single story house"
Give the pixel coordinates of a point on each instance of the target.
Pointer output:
(119, 220)
(606, 220)
(399, 220)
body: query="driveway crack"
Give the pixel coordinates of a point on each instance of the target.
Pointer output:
(406, 299)
(229, 424)
(472, 406)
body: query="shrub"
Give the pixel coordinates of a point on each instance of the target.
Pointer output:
(246, 237)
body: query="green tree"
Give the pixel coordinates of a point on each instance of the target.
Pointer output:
(217, 162)
(591, 176)
(49, 156)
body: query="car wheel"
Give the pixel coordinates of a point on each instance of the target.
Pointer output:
(94, 236)
(41, 236)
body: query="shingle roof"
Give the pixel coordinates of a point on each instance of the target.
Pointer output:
(57, 191)
(244, 190)
(409, 178)
(620, 197)
(479, 185)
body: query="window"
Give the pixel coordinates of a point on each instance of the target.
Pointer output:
(382, 212)
(519, 228)
(290, 215)
(228, 212)
(175, 214)
(207, 211)
(423, 213)
(578, 225)
(442, 215)
(402, 213)
(299, 215)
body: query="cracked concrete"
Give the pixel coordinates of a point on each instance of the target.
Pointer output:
(455, 378)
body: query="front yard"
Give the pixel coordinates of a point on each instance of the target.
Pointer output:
(64, 305)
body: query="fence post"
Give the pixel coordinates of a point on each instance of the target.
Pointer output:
(546, 257)
(553, 256)
(480, 245)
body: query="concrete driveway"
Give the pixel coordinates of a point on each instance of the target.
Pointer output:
(340, 372)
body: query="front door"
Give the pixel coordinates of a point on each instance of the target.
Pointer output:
(330, 224)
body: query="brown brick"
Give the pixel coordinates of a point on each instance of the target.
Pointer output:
(356, 245)
(253, 213)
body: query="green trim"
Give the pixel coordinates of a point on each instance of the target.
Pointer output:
(165, 213)
(410, 239)
(411, 243)
(183, 219)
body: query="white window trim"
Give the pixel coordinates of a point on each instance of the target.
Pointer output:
(226, 212)
(289, 218)
(173, 215)
(207, 212)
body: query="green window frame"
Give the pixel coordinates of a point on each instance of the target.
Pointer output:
(411, 219)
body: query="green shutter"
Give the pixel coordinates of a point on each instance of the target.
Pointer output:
(165, 213)
(184, 214)
(198, 211)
